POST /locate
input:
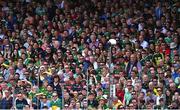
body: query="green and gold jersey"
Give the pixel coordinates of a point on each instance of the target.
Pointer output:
(157, 57)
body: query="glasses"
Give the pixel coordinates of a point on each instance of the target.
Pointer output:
(54, 95)
(131, 106)
(133, 93)
(159, 90)
(129, 85)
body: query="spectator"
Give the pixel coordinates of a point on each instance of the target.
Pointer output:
(21, 101)
(7, 101)
(56, 102)
(45, 102)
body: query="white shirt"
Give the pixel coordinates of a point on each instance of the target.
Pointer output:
(144, 44)
(1, 36)
(158, 98)
(133, 81)
(95, 65)
(21, 75)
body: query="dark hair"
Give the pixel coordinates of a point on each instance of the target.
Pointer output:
(45, 107)
(56, 76)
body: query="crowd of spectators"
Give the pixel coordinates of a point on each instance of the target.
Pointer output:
(55, 54)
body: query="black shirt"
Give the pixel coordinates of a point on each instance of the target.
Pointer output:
(6, 103)
(21, 103)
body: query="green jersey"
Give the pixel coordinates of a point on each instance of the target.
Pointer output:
(157, 57)
(57, 103)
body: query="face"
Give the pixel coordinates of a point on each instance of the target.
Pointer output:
(134, 102)
(134, 95)
(66, 96)
(159, 90)
(26, 74)
(48, 50)
(78, 105)
(20, 96)
(49, 88)
(145, 78)
(151, 86)
(54, 96)
(84, 92)
(155, 82)
(129, 86)
(172, 87)
(157, 48)
(133, 58)
(131, 106)
(168, 93)
(91, 97)
(67, 68)
(100, 93)
(44, 99)
(85, 103)
(56, 79)
(141, 95)
(73, 103)
(133, 74)
(141, 38)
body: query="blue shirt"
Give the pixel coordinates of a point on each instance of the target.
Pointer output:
(175, 75)
(158, 12)
(45, 104)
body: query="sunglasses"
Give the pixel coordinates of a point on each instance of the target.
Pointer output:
(131, 106)
(129, 85)
(159, 90)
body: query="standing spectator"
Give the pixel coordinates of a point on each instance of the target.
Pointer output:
(56, 86)
(92, 102)
(45, 102)
(7, 101)
(56, 103)
(20, 101)
(133, 63)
